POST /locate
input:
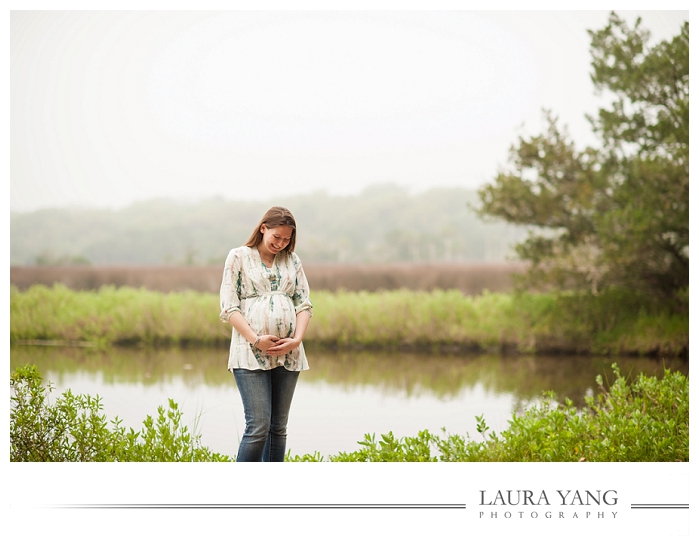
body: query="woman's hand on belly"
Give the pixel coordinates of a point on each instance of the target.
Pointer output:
(268, 341)
(284, 346)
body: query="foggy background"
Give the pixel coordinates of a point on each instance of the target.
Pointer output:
(109, 108)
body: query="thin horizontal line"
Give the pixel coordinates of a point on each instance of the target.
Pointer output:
(260, 506)
(659, 506)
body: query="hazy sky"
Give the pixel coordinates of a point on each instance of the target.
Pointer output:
(108, 108)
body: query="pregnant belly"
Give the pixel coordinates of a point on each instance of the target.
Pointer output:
(275, 316)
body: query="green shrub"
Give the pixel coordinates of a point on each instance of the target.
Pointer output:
(647, 421)
(73, 429)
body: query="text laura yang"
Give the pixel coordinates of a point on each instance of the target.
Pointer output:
(556, 497)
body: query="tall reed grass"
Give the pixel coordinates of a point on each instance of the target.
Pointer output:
(436, 321)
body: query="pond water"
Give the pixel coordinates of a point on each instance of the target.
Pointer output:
(342, 397)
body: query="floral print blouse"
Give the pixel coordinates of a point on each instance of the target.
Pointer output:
(269, 299)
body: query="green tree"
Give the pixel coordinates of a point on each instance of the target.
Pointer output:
(616, 214)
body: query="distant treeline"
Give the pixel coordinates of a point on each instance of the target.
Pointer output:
(383, 224)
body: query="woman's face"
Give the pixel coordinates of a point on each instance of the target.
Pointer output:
(276, 239)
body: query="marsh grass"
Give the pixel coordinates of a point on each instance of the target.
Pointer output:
(440, 320)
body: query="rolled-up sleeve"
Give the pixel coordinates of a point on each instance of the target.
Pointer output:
(301, 298)
(230, 287)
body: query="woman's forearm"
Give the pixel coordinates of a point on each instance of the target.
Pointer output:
(302, 320)
(241, 325)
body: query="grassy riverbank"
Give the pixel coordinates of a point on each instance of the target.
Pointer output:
(646, 420)
(613, 323)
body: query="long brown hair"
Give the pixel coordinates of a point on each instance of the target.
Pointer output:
(274, 217)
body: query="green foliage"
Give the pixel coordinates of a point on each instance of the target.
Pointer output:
(647, 421)
(618, 321)
(618, 214)
(390, 449)
(73, 429)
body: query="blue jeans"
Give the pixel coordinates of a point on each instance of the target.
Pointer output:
(266, 398)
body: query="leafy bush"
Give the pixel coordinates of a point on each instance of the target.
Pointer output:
(645, 421)
(73, 429)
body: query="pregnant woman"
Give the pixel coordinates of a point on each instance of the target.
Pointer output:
(265, 296)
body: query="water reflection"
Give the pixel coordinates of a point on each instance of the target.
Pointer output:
(343, 396)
